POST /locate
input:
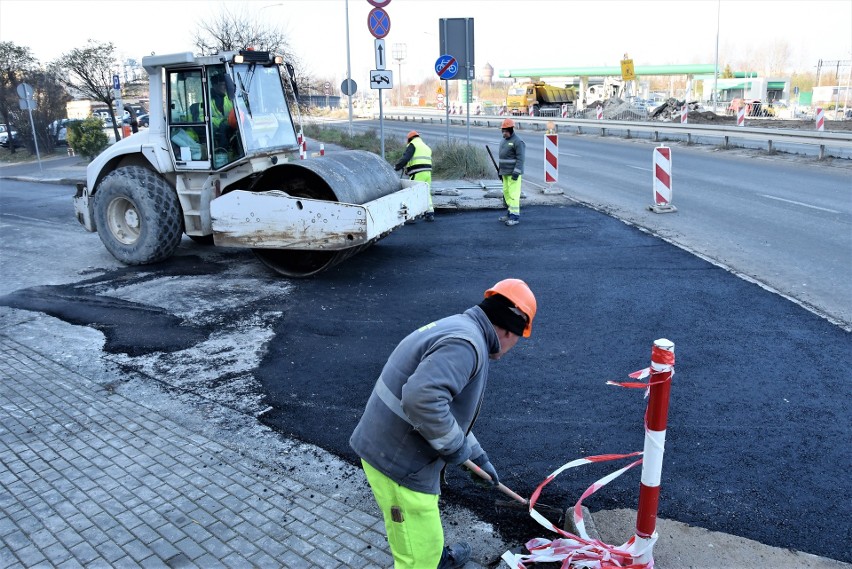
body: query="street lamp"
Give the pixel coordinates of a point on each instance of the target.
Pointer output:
(398, 53)
(716, 70)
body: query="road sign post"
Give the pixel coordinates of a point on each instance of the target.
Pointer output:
(25, 92)
(378, 22)
(447, 67)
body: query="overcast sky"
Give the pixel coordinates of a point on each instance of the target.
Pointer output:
(508, 34)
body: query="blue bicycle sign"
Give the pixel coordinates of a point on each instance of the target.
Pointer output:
(446, 67)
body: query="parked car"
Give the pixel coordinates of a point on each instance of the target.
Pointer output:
(4, 136)
(142, 120)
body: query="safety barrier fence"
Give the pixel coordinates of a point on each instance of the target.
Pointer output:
(769, 136)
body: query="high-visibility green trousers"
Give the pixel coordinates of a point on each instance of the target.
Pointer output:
(512, 195)
(425, 176)
(412, 521)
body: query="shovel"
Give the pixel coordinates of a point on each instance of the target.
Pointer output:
(518, 501)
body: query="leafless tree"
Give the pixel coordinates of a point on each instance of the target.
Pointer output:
(235, 30)
(89, 71)
(15, 61)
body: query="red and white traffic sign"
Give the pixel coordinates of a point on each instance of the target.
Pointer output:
(378, 22)
(379, 3)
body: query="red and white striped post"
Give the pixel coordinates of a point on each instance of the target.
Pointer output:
(662, 181)
(600, 113)
(684, 114)
(656, 416)
(303, 145)
(741, 116)
(820, 119)
(322, 149)
(532, 110)
(551, 158)
(564, 110)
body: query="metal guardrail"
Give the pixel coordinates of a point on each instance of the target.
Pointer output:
(770, 136)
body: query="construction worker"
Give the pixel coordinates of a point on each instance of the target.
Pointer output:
(420, 415)
(221, 109)
(512, 152)
(417, 161)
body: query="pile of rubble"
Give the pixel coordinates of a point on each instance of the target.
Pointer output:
(614, 109)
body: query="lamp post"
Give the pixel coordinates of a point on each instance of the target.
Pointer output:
(716, 74)
(398, 53)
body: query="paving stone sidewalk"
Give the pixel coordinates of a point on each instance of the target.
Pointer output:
(90, 478)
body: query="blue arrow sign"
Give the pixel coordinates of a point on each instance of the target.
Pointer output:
(446, 67)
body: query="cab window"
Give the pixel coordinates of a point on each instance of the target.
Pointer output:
(187, 118)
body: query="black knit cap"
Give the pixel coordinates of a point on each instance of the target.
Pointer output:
(498, 308)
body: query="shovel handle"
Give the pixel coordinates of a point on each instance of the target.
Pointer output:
(504, 489)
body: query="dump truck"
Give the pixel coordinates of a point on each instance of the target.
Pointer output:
(539, 96)
(223, 163)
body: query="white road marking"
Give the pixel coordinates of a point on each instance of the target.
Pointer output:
(639, 168)
(801, 204)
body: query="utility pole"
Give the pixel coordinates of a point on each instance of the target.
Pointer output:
(399, 53)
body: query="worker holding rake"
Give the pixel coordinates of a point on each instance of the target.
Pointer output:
(420, 415)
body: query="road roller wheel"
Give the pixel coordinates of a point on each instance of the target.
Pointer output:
(351, 176)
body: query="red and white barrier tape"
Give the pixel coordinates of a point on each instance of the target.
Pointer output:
(577, 550)
(582, 551)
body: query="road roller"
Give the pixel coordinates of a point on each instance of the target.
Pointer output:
(222, 162)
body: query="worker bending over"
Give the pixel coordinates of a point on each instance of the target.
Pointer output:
(419, 419)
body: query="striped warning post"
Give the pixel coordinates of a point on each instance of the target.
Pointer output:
(551, 158)
(662, 185)
(684, 115)
(564, 111)
(656, 416)
(580, 549)
(600, 113)
(741, 116)
(532, 110)
(820, 119)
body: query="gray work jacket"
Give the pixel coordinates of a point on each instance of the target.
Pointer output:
(512, 151)
(426, 399)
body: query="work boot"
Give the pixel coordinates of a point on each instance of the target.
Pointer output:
(513, 220)
(503, 218)
(455, 556)
(430, 216)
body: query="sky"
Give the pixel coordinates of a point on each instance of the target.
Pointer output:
(507, 34)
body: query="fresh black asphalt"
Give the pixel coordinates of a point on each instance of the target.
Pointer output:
(758, 430)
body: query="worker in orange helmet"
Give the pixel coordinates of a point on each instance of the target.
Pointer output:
(417, 161)
(419, 419)
(510, 170)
